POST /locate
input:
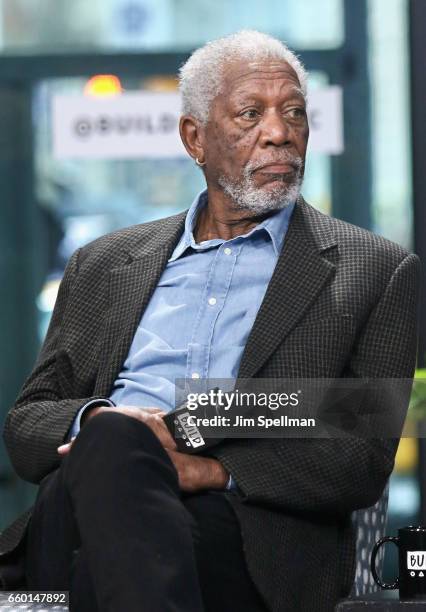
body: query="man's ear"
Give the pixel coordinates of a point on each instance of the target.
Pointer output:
(191, 133)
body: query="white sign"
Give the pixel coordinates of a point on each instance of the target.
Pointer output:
(126, 126)
(325, 114)
(416, 559)
(145, 125)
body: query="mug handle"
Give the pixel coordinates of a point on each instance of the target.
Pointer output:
(383, 585)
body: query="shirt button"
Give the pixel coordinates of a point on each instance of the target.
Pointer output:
(195, 375)
(227, 251)
(212, 301)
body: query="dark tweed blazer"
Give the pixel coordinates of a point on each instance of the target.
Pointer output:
(341, 302)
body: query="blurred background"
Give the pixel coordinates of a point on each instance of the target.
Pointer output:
(52, 204)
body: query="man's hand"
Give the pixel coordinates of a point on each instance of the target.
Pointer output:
(151, 416)
(196, 473)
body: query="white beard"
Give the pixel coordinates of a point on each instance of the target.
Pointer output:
(246, 195)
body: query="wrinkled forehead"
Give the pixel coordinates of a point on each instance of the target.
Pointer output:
(243, 74)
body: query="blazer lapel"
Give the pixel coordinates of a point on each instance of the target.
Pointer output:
(299, 275)
(130, 288)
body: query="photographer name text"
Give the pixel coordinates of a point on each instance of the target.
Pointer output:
(241, 421)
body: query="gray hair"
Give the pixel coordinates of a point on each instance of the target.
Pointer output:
(201, 77)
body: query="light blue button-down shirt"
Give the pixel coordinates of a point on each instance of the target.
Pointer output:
(200, 315)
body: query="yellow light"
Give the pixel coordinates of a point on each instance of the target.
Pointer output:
(103, 85)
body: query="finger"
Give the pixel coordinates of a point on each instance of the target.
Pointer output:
(145, 409)
(164, 434)
(158, 426)
(65, 448)
(174, 459)
(172, 454)
(152, 410)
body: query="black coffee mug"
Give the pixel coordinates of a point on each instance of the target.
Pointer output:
(411, 542)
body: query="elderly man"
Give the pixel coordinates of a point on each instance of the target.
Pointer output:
(250, 282)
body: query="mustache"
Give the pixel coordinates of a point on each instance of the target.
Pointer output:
(292, 160)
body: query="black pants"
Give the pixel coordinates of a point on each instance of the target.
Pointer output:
(112, 526)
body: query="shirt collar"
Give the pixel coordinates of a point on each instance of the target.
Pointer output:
(276, 226)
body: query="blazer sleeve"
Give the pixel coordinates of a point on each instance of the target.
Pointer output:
(336, 476)
(40, 419)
